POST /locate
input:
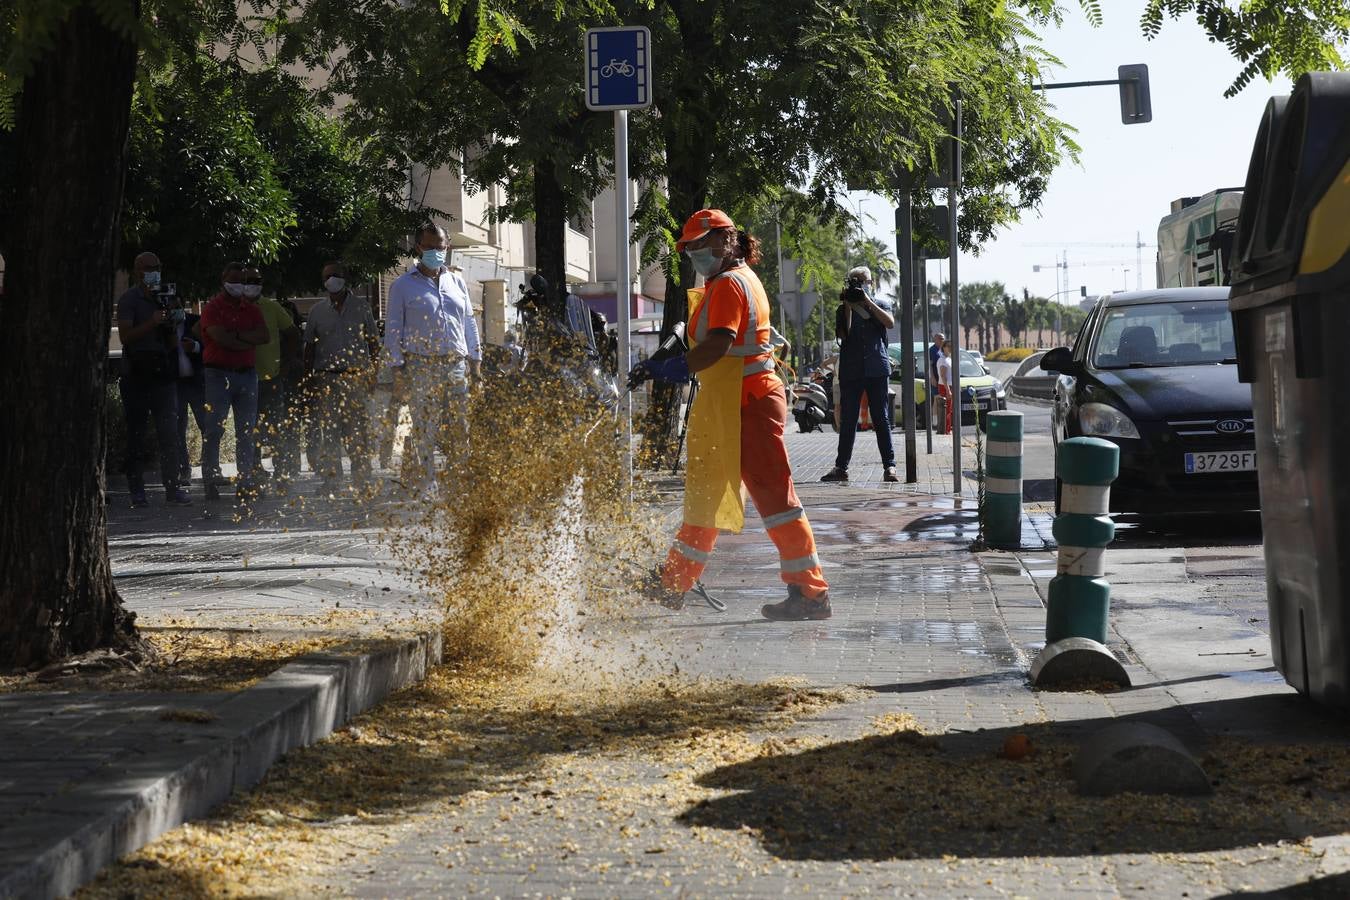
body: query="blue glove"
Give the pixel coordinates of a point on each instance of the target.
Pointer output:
(674, 369)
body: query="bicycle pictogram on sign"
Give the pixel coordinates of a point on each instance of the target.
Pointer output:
(618, 67)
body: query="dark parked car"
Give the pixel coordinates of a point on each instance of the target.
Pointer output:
(1155, 372)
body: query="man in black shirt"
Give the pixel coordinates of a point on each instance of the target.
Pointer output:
(860, 324)
(149, 371)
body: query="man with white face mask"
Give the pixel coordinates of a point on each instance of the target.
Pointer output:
(146, 329)
(432, 340)
(341, 343)
(232, 329)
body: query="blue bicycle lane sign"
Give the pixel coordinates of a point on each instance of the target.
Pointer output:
(618, 67)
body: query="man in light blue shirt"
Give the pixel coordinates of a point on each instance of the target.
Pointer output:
(431, 338)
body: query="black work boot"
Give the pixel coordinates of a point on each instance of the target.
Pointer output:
(797, 607)
(835, 474)
(654, 590)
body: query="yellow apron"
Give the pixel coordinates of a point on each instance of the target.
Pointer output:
(712, 479)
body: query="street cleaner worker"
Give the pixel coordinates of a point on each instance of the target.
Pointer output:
(736, 425)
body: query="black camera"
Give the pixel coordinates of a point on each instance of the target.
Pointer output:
(167, 299)
(853, 291)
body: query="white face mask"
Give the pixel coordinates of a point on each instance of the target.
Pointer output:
(704, 260)
(253, 291)
(334, 284)
(234, 288)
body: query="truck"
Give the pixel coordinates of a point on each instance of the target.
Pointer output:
(1195, 239)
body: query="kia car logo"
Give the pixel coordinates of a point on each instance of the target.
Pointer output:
(1230, 426)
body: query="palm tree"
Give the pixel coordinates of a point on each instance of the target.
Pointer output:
(873, 253)
(1015, 314)
(972, 317)
(1040, 315)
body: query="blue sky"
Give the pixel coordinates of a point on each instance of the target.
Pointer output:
(1127, 175)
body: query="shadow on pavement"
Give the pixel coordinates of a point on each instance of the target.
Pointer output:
(1188, 530)
(1331, 886)
(907, 795)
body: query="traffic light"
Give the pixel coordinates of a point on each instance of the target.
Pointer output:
(1136, 107)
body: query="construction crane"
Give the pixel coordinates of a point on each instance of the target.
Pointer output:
(1138, 246)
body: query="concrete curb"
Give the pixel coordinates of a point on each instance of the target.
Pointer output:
(69, 839)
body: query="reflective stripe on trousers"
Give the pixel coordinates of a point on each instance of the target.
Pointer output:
(768, 477)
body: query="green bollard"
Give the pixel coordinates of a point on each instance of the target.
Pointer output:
(1080, 598)
(1001, 509)
(1075, 652)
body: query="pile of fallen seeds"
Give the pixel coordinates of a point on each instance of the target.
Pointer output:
(480, 769)
(186, 658)
(460, 740)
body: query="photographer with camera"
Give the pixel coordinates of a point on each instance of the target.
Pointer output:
(147, 327)
(861, 323)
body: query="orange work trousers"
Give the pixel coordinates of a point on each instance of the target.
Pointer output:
(768, 477)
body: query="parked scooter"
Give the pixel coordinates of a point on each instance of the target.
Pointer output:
(813, 400)
(566, 339)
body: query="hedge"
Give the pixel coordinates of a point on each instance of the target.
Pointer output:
(1010, 354)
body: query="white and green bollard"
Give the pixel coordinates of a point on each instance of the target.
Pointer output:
(1079, 602)
(1001, 507)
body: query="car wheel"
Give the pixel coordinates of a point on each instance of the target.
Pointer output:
(983, 422)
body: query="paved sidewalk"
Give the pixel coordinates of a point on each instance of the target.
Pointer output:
(923, 627)
(92, 773)
(930, 630)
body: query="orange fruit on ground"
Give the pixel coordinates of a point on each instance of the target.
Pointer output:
(1016, 746)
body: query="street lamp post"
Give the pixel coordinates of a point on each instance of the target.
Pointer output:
(1059, 264)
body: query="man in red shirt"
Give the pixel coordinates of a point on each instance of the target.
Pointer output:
(231, 330)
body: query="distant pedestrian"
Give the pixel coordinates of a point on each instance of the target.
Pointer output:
(341, 344)
(944, 384)
(861, 323)
(432, 339)
(934, 352)
(232, 330)
(147, 330)
(279, 434)
(191, 390)
(388, 403)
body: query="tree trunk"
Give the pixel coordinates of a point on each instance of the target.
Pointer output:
(550, 228)
(60, 234)
(658, 428)
(685, 111)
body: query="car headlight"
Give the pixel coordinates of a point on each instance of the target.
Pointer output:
(1101, 420)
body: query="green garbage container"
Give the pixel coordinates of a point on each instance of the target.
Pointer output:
(1290, 303)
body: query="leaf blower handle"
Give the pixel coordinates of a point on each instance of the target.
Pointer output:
(670, 348)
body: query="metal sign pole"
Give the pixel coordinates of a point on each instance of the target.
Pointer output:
(778, 243)
(904, 236)
(822, 332)
(623, 280)
(618, 77)
(927, 362)
(955, 338)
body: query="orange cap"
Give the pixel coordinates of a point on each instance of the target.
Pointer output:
(702, 222)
